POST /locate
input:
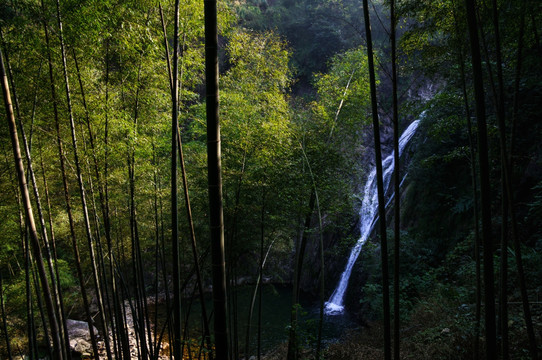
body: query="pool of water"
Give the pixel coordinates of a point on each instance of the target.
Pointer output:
(276, 305)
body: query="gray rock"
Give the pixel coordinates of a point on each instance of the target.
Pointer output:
(79, 329)
(79, 334)
(82, 347)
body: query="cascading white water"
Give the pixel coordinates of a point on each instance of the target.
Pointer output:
(368, 216)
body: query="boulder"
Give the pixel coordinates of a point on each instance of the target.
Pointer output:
(79, 334)
(81, 347)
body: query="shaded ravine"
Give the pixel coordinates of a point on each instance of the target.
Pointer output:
(368, 216)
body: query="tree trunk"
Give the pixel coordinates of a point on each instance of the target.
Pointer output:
(121, 329)
(519, 261)
(322, 283)
(231, 272)
(517, 78)
(207, 332)
(30, 325)
(215, 180)
(177, 317)
(474, 185)
(27, 146)
(380, 187)
(88, 230)
(67, 193)
(396, 180)
(117, 330)
(4, 320)
(40, 307)
(29, 213)
(499, 102)
(300, 254)
(489, 292)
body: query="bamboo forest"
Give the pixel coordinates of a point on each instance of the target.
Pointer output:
(271, 179)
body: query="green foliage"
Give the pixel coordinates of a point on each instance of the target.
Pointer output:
(432, 190)
(434, 28)
(256, 146)
(266, 130)
(331, 131)
(15, 296)
(315, 30)
(254, 104)
(417, 280)
(343, 92)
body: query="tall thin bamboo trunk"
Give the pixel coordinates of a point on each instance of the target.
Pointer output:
(262, 260)
(231, 274)
(526, 308)
(258, 287)
(97, 173)
(517, 78)
(29, 213)
(397, 183)
(54, 253)
(143, 324)
(500, 103)
(322, 267)
(380, 186)
(487, 236)
(66, 191)
(82, 191)
(474, 185)
(215, 180)
(27, 143)
(498, 100)
(4, 320)
(27, 146)
(293, 346)
(30, 325)
(158, 256)
(123, 346)
(508, 206)
(23, 234)
(177, 317)
(41, 310)
(207, 332)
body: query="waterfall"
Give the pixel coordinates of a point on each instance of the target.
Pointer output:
(368, 217)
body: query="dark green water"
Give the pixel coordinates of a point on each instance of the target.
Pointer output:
(276, 305)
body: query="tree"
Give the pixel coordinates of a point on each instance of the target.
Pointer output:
(396, 181)
(487, 237)
(380, 186)
(255, 136)
(177, 320)
(29, 213)
(215, 180)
